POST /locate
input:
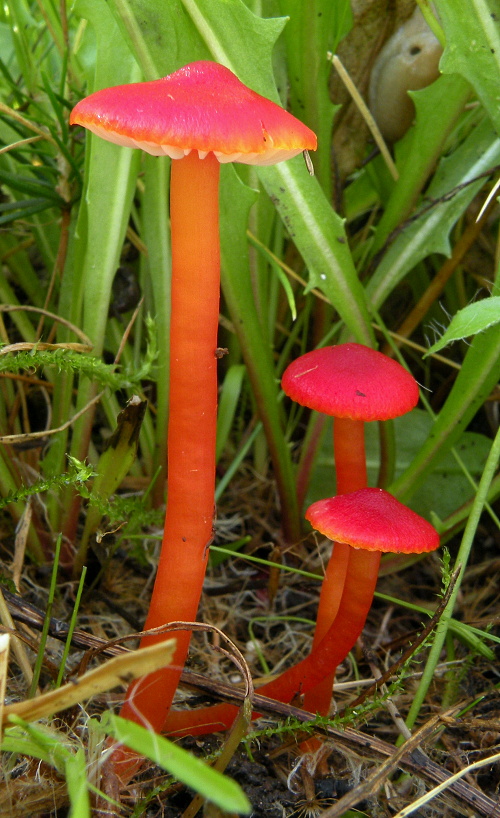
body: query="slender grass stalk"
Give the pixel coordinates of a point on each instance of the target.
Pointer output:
(72, 626)
(46, 624)
(461, 561)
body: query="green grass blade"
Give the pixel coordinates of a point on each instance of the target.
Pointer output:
(46, 623)
(437, 109)
(228, 402)
(72, 626)
(76, 781)
(217, 788)
(461, 561)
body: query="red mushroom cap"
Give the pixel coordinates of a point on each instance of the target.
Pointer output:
(202, 107)
(373, 519)
(351, 381)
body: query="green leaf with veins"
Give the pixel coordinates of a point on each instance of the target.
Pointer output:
(472, 32)
(472, 319)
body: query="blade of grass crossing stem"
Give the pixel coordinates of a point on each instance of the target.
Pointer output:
(462, 559)
(236, 734)
(236, 462)
(214, 786)
(45, 630)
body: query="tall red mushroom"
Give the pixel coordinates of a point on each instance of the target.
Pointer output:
(354, 384)
(200, 116)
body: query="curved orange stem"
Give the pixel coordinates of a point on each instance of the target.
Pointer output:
(339, 640)
(194, 215)
(350, 469)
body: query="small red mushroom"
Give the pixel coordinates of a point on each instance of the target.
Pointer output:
(369, 521)
(201, 115)
(354, 384)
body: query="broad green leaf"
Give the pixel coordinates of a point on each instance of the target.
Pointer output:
(231, 32)
(218, 788)
(472, 31)
(450, 192)
(472, 319)
(478, 375)
(160, 35)
(320, 236)
(437, 109)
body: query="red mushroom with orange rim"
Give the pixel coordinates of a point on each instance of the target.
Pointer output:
(200, 116)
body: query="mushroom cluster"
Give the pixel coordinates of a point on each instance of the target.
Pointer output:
(201, 116)
(354, 384)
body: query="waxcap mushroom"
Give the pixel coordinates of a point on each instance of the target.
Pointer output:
(372, 519)
(202, 107)
(351, 381)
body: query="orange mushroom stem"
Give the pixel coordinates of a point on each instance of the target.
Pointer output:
(189, 515)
